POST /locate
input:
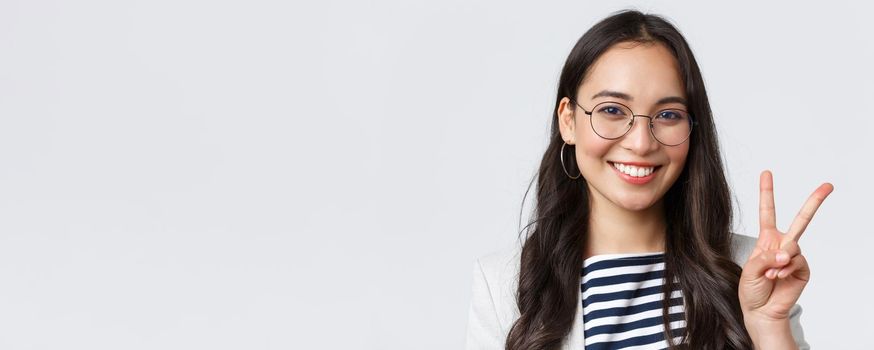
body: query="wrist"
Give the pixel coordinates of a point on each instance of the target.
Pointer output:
(770, 334)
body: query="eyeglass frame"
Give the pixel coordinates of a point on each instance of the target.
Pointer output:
(692, 122)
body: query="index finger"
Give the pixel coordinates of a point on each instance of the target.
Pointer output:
(806, 214)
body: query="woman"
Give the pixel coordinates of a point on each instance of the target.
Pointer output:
(628, 200)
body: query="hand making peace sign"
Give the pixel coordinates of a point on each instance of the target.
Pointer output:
(776, 272)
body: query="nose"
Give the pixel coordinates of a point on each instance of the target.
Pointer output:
(640, 139)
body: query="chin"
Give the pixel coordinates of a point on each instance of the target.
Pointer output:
(635, 205)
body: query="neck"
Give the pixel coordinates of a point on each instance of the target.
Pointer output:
(614, 229)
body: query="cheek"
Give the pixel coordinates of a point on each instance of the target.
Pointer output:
(680, 154)
(591, 152)
(679, 157)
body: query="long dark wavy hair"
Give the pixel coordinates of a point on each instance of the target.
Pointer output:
(697, 207)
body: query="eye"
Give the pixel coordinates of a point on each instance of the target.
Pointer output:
(670, 115)
(611, 110)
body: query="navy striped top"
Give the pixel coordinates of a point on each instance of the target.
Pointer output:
(622, 302)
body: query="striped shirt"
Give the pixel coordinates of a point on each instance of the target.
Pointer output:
(622, 302)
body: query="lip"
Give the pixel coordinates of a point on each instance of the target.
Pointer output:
(641, 164)
(636, 180)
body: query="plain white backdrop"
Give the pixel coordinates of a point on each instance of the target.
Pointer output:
(196, 174)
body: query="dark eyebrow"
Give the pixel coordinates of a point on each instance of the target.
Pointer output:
(624, 96)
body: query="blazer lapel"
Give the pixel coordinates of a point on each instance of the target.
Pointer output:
(574, 340)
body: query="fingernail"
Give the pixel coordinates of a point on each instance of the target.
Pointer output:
(782, 257)
(770, 273)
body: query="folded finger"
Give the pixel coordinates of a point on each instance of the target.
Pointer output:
(759, 266)
(797, 267)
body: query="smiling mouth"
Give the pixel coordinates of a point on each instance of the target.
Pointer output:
(635, 171)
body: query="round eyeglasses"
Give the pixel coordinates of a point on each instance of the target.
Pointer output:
(612, 120)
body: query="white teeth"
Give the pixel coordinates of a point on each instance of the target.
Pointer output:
(634, 170)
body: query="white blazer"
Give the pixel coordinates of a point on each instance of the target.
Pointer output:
(493, 306)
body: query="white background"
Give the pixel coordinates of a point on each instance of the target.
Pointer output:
(272, 175)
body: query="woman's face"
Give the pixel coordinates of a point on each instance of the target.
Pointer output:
(645, 73)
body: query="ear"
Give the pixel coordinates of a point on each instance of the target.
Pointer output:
(566, 120)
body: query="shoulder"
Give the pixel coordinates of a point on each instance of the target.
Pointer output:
(502, 265)
(498, 275)
(500, 268)
(493, 308)
(502, 262)
(741, 247)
